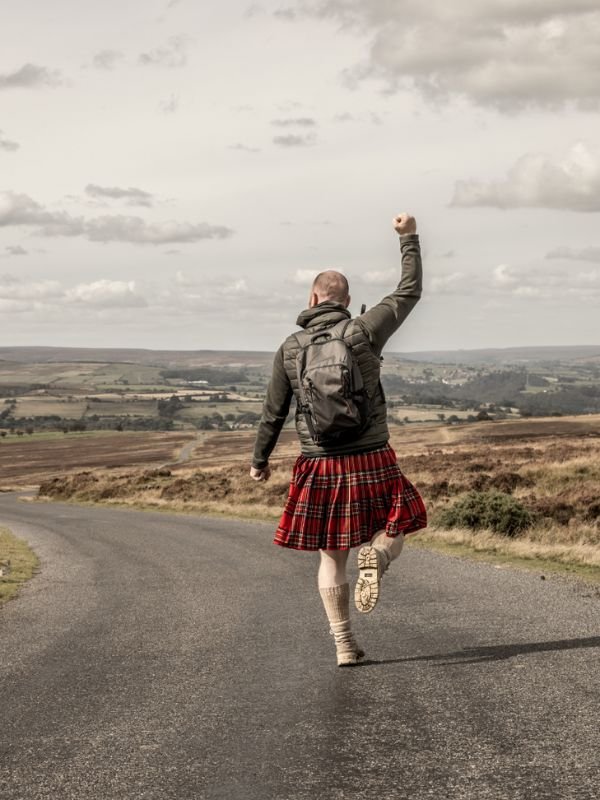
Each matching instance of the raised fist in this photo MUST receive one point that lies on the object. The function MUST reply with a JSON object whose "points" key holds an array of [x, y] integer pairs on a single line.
{"points": [[404, 223]]}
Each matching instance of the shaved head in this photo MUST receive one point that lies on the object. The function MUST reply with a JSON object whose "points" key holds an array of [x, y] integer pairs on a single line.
{"points": [[331, 285]]}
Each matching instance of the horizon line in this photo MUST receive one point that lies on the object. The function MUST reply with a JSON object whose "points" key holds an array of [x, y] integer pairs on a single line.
{"points": [[244, 350]]}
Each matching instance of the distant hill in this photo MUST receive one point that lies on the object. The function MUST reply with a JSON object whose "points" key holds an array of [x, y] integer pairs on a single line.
{"points": [[508, 356], [161, 358], [191, 358]]}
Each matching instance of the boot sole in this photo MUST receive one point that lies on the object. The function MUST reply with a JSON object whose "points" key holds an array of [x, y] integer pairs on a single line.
{"points": [[349, 660], [366, 592]]}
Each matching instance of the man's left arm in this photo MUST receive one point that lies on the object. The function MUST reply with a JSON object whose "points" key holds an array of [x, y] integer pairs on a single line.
{"points": [[274, 414]]}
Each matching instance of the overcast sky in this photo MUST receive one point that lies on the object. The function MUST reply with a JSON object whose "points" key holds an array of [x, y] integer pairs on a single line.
{"points": [[174, 173]]}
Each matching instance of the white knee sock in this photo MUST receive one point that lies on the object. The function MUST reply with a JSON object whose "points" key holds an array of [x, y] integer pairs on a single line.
{"points": [[336, 600]]}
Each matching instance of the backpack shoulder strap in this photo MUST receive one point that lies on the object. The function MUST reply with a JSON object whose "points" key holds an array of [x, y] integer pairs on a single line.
{"points": [[338, 331], [302, 338]]}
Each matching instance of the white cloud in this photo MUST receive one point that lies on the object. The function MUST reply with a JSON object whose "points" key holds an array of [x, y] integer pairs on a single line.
{"points": [[295, 140], [14, 306], [527, 291], [8, 144], [543, 283], [120, 228], [107, 59], [299, 122], [237, 287], [244, 148], [106, 294], [30, 76], [21, 295], [448, 284], [383, 276], [169, 106], [20, 209], [285, 13], [305, 276], [133, 196], [501, 53], [538, 180], [15, 250], [573, 254], [172, 55], [346, 116], [504, 276], [12, 288]]}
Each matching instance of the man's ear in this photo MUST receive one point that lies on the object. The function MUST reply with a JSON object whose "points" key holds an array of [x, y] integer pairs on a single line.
{"points": [[348, 301], [313, 300]]}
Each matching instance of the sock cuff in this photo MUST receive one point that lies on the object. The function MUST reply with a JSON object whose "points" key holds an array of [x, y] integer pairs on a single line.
{"points": [[336, 600]]}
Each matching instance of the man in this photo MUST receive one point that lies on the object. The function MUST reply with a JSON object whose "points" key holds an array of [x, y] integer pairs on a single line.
{"points": [[350, 491]]}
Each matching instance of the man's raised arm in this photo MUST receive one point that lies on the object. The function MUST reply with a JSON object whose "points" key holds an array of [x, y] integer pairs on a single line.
{"points": [[384, 319]]}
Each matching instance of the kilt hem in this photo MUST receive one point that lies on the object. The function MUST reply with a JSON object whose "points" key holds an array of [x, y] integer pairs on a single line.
{"points": [[341, 502]]}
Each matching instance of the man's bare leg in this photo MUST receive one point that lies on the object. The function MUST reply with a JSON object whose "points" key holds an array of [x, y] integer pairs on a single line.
{"points": [[332, 568], [335, 594]]}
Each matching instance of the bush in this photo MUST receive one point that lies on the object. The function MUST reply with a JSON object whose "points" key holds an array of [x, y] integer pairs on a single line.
{"points": [[495, 510]]}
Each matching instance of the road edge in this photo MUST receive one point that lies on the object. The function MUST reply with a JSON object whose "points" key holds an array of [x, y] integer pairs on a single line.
{"points": [[22, 561]]}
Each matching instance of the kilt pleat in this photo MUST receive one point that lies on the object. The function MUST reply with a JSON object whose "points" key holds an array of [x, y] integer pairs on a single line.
{"points": [[339, 502]]}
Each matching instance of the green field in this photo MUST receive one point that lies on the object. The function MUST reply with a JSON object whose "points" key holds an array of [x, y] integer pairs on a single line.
{"points": [[129, 394]]}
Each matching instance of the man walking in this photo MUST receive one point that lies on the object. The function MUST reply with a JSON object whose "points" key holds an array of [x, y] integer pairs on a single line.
{"points": [[346, 488]]}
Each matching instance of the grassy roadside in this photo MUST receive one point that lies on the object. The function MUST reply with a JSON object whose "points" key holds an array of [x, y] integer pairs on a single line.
{"points": [[519, 553], [18, 560]]}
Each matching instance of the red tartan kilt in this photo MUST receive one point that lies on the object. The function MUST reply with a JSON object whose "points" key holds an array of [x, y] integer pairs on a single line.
{"points": [[339, 502]]}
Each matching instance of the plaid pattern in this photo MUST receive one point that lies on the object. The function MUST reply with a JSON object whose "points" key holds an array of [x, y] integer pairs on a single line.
{"points": [[339, 502]]}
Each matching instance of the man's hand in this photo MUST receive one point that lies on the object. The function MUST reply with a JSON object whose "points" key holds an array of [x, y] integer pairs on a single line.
{"points": [[404, 223], [260, 474]]}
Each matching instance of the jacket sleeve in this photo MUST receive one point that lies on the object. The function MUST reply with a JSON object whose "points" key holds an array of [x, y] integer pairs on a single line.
{"points": [[384, 319], [275, 410]]}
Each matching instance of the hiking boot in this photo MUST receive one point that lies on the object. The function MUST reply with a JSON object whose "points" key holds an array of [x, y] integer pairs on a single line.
{"points": [[372, 563], [347, 650]]}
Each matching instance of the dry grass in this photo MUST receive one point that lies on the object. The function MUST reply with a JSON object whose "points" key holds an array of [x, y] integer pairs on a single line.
{"points": [[18, 562], [524, 547], [228, 490]]}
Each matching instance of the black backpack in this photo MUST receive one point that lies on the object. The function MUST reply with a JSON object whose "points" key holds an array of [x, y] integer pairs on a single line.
{"points": [[332, 393]]}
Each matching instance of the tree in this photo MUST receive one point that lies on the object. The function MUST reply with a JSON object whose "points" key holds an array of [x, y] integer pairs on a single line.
{"points": [[168, 408]]}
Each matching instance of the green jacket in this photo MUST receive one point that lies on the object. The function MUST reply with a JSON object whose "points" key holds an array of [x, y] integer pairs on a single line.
{"points": [[367, 336]]}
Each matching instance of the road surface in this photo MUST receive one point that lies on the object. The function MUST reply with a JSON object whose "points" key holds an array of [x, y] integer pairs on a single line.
{"points": [[163, 656]]}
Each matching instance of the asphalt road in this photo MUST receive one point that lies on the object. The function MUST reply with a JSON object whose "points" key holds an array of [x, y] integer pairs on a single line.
{"points": [[164, 656]]}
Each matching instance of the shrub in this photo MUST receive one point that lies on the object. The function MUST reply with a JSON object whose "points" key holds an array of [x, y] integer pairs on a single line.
{"points": [[495, 510]]}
